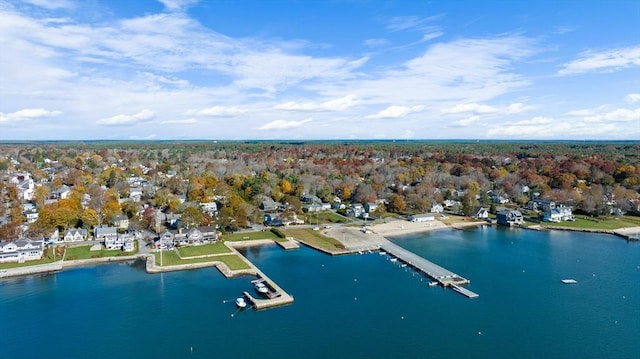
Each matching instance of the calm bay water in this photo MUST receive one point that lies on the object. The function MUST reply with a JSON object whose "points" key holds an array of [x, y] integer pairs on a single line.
{"points": [[358, 306]]}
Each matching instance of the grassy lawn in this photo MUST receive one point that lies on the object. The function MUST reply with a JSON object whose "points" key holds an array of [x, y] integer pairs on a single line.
{"points": [[324, 218], [84, 252], [170, 258], [215, 248], [450, 219], [609, 223], [46, 259], [314, 238], [245, 236]]}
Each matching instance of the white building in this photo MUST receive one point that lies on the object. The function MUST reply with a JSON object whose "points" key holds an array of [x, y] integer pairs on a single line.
{"points": [[21, 250], [427, 217]]}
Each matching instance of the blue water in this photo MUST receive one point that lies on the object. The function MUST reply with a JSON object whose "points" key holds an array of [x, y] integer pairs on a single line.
{"points": [[358, 306]]}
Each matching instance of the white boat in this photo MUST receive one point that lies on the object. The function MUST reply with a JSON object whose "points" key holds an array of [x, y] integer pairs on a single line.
{"points": [[393, 259], [433, 284], [240, 302], [382, 253], [403, 265], [569, 281], [261, 288]]}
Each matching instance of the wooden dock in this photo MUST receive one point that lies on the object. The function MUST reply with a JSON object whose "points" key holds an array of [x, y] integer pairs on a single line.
{"points": [[443, 276], [276, 297]]}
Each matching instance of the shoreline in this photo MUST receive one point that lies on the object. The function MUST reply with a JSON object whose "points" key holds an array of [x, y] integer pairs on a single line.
{"points": [[357, 241]]}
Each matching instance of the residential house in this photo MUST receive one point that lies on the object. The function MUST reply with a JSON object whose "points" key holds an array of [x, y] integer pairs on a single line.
{"points": [[121, 222], [508, 217], [209, 207], [105, 234], [165, 240], [425, 217], [21, 250], [370, 207], [309, 198], [135, 193], [272, 219], [480, 213], [437, 208], [558, 213], [32, 216], [268, 205], [355, 210], [499, 199], [75, 234]]}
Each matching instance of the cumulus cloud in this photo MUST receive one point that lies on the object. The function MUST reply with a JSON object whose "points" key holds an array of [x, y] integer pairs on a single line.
{"points": [[632, 97], [284, 125], [604, 61], [396, 112], [338, 104], [217, 111], [143, 116], [27, 114]]}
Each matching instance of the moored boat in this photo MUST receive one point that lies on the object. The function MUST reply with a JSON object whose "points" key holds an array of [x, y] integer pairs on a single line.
{"points": [[261, 288], [569, 281], [241, 303]]}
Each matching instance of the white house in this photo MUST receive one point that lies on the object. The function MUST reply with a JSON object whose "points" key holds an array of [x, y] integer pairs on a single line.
{"points": [[437, 208], [426, 217], [558, 214], [21, 250], [480, 213], [105, 233], [75, 234]]}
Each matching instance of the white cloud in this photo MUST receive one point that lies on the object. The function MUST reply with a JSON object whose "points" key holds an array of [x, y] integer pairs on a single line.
{"points": [[467, 121], [51, 4], [188, 121], [284, 125], [402, 23], [434, 34], [396, 112], [481, 109], [604, 61], [127, 120], [27, 114], [375, 42], [217, 111], [632, 97], [177, 4], [337, 104]]}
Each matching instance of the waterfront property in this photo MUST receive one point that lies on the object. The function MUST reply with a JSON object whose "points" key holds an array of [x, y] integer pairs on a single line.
{"points": [[21, 250], [507, 217]]}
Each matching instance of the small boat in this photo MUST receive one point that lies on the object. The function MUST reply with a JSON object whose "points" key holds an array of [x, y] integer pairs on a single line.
{"points": [[433, 284], [393, 260], [403, 265], [261, 288], [382, 253], [569, 281], [241, 303]]}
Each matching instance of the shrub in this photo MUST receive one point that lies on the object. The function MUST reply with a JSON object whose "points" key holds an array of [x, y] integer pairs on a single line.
{"points": [[278, 233]]}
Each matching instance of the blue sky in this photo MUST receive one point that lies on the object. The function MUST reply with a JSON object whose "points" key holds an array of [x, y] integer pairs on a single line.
{"points": [[314, 69]]}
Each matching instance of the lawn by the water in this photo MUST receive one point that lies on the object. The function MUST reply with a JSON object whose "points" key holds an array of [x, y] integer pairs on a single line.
{"points": [[314, 238], [85, 252], [207, 249], [247, 236], [169, 258], [607, 223]]}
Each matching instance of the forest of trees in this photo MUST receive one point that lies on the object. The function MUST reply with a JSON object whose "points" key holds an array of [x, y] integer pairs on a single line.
{"points": [[408, 176]]}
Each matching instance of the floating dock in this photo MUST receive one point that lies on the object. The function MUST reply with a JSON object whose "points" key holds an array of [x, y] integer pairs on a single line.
{"points": [[443, 276]]}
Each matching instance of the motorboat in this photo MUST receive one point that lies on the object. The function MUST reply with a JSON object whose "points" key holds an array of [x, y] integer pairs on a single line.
{"points": [[569, 281], [261, 288], [433, 284], [241, 303], [394, 260]]}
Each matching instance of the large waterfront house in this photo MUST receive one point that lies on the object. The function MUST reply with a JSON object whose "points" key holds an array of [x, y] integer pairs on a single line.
{"points": [[21, 250], [508, 217], [121, 222], [558, 213]]}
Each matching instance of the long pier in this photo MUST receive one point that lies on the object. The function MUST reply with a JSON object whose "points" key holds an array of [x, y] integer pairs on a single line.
{"points": [[443, 276]]}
